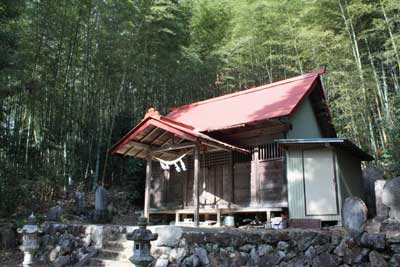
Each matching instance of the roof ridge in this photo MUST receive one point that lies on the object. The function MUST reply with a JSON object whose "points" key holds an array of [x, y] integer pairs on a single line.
{"points": [[248, 91]]}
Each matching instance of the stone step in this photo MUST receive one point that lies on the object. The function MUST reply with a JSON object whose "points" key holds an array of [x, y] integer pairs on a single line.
{"points": [[101, 262], [120, 254], [118, 244]]}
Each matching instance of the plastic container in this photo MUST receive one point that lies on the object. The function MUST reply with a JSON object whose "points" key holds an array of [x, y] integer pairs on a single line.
{"points": [[229, 221]]}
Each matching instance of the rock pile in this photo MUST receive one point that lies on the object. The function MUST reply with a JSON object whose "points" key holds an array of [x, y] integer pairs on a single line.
{"points": [[63, 245]]}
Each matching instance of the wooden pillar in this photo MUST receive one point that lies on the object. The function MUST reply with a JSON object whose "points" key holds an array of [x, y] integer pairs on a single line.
{"points": [[253, 178], [219, 223], [147, 187], [268, 212], [196, 184]]}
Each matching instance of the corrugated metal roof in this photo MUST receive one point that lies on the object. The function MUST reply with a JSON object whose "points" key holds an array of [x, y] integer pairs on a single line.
{"points": [[260, 103], [342, 143]]}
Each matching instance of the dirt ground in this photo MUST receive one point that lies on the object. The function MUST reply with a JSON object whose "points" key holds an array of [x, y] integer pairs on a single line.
{"points": [[14, 258], [11, 258]]}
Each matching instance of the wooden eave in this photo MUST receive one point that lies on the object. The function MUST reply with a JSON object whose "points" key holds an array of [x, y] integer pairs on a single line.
{"points": [[166, 139], [239, 134]]}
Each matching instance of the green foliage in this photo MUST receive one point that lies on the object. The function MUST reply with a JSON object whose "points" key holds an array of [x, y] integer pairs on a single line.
{"points": [[77, 75]]}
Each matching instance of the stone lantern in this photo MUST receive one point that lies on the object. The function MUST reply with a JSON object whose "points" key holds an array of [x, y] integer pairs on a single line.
{"points": [[141, 246], [30, 243]]}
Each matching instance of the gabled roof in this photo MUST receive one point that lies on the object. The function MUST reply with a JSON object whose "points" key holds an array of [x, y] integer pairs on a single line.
{"points": [[269, 101], [151, 133]]}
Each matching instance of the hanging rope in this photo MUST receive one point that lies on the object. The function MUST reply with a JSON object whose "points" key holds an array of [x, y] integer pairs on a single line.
{"points": [[178, 163]]}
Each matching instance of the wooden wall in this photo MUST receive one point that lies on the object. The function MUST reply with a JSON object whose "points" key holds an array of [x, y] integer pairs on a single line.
{"points": [[225, 179]]}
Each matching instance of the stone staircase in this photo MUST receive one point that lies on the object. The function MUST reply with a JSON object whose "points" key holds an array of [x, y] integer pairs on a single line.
{"points": [[113, 254]]}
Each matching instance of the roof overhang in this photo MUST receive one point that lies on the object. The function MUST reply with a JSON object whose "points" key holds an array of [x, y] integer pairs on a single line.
{"points": [[167, 139], [342, 143]]}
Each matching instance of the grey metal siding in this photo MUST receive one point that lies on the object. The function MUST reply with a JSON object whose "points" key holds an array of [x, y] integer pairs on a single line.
{"points": [[304, 122], [349, 174], [294, 157]]}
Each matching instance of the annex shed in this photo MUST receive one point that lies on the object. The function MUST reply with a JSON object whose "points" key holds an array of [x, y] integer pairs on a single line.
{"points": [[267, 149]]}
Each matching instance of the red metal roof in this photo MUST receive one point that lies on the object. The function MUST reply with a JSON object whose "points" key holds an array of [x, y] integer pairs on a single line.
{"points": [[260, 103]]}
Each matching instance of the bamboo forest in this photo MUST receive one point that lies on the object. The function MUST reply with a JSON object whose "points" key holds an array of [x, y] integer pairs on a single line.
{"points": [[76, 75]]}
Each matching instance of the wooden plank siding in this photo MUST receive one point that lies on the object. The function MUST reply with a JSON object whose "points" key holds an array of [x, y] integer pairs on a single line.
{"points": [[271, 182], [225, 179]]}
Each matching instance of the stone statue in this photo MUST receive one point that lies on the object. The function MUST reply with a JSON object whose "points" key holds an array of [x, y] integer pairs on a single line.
{"points": [[101, 203], [54, 213], [80, 202], [382, 211], [391, 197], [354, 216]]}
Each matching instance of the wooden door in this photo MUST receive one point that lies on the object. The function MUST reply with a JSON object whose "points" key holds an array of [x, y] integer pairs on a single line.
{"points": [[241, 178], [271, 182]]}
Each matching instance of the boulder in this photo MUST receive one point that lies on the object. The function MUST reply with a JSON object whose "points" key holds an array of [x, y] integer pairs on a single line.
{"points": [[377, 260], [310, 252], [354, 216], [264, 249], [62, 261], [391, 197], [283, 246], [302, 239], [192, 261], [370, 174], [66, 245], [240, 259], [271, 259], [54, 253], [326, 260], [247, 247], [373, 240], [395, 260], [168, 236], [355, 255], [161, 263], [201, 253], [395, 248], [254, 256], [177, 254]]}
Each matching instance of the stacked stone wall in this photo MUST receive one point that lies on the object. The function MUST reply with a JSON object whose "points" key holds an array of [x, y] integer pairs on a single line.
{"points": [[193, 247]]}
